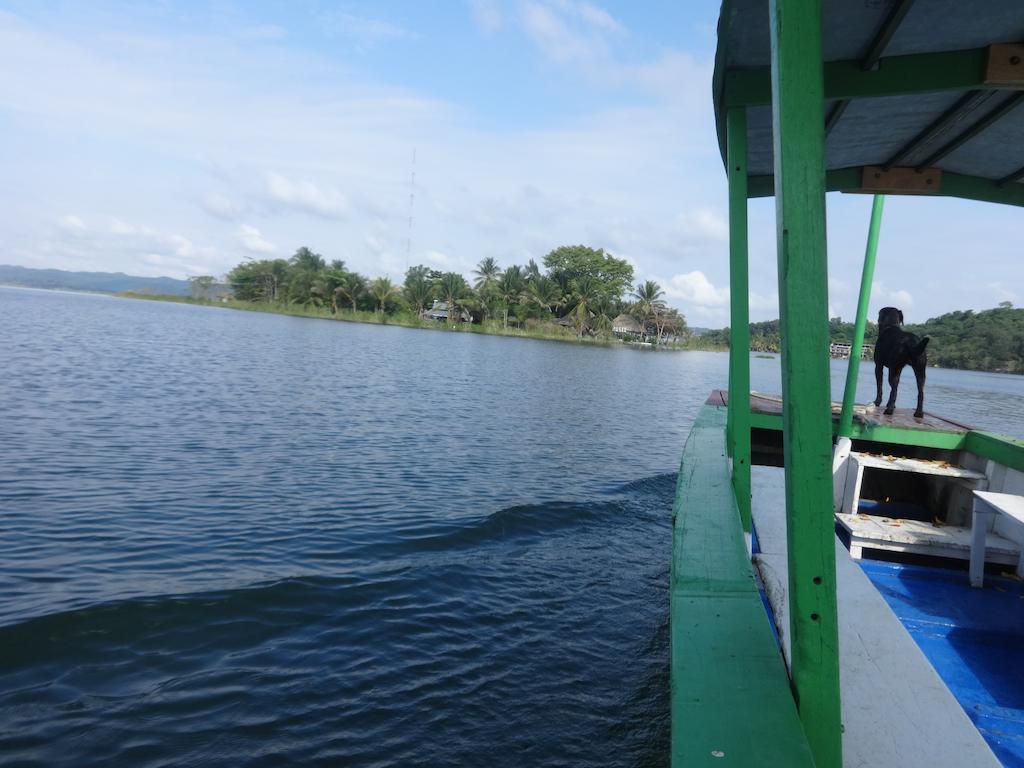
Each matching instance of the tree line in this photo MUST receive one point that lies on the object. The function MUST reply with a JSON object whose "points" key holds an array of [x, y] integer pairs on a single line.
{"points": [[989, 340], [578, 289]]}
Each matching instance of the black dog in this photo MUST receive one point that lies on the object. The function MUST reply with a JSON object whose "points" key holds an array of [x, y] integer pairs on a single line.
{"points": [[893, 350]]}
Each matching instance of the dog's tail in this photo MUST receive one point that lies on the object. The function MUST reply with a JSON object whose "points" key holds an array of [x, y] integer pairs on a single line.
{"points": [[921, 345]]}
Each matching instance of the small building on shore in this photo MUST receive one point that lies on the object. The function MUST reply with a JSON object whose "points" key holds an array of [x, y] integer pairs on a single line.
{"points": [[626, 326], [439, 313]]}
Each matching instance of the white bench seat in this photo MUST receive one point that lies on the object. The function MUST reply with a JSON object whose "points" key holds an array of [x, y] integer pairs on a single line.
{"points": [[987, 506], [921, 538]]}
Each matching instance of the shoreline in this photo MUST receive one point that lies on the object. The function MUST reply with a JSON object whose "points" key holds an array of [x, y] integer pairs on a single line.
{"points": [[409, 321]]}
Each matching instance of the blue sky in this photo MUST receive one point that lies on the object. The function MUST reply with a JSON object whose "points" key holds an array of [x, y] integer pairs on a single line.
{"points": [[181, 138]]}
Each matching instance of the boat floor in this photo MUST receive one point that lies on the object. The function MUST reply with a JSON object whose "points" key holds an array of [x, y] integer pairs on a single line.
{"points": [[973, 637], [869, 415], [896, 709]]}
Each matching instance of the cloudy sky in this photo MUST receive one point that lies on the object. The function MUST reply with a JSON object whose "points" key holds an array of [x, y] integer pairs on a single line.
{"points": [[181, 138]]}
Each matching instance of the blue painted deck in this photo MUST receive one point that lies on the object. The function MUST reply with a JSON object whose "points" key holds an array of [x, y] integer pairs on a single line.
{"points": [[973, 637]]}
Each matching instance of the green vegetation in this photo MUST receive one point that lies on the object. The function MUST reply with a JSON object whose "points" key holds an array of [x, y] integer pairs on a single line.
{"points": [[579, 294], [990, 340]]}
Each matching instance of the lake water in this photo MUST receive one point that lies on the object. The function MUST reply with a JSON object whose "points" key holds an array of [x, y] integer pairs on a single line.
{"points": [[233, 538]]}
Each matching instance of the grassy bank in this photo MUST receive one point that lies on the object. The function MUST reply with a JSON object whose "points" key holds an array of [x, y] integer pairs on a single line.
{"points": [[543, 331]]}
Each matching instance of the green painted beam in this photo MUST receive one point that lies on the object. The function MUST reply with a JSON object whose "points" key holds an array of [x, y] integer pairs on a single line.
{"points": [[895, 76], [731, 699], [860, 323], [999, 448], [842, 180], [798, 128], [950, 441], [739, 302], [953, 185]]}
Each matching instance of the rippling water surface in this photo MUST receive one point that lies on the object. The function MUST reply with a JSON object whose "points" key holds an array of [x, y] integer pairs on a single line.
{"points": [[244, 539]]}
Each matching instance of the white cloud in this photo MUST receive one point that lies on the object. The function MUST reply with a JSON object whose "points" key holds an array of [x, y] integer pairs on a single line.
{"points": [[704, 223], [695, 288], [307, 197], [591, 15], [118, 227], [486, 15], [263, 32], [558, 37], [72, 223], [438, 259], [253, 240], [222, 207], [881, 295], [366, 32]]}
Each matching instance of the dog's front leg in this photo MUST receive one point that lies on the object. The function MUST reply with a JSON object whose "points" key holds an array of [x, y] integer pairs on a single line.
{"points": [[894, 385], [878, 383]]}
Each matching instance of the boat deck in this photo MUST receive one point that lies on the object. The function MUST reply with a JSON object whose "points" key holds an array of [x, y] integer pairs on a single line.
{"points": [[974, 638], [896, 707], [865, 415]]}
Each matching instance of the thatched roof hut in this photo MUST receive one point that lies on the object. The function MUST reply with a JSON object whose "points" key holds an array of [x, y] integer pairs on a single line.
{"points": [[626, 325]]}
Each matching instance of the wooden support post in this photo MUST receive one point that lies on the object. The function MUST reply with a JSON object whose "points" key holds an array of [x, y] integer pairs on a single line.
{"points": [[739, 336], [799, 142]]}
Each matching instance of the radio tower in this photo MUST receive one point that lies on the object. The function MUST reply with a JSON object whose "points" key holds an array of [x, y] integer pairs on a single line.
{"points": [[412, 201]]}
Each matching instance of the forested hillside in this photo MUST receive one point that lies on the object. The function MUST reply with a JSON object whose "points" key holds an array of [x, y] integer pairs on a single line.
{"points": [[990, 340], [98, 282]]}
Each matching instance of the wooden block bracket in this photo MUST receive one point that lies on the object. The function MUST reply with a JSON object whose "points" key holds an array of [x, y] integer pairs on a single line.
{"points": [[900, 181], [1004, 66]]}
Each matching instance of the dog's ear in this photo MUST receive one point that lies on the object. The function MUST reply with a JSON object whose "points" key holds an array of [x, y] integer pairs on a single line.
{"points": [[901, 315]]}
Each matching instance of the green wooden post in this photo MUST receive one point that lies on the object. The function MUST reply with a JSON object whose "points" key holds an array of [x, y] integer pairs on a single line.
{"points": [[798, 125], [739, 337], [853, 369]]}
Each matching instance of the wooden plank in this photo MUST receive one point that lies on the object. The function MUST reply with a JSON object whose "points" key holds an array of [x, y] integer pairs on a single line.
{"points": [[730, 693], [917, 537], [895, 708], [866, 416], [798, 143], [739, 310], [918, 466], [1009, 504], [900, 181], [1004, 66]]}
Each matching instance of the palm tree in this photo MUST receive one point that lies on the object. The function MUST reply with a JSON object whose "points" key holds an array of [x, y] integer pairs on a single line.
{"points": [[532, 271], [587, 293], [486, 272], [382, 289], [353, 287], [453, 288], [510, 288], [648, 302], [329, 282], [419, 291], [307, 261], [545, 293]]}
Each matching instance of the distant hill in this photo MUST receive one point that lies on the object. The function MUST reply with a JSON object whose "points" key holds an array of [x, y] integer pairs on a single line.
{"points": [[989, 340], [99, 282]]}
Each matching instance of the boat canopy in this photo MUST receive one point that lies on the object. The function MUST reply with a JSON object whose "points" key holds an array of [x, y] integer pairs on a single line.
{"points": [[908, 97], [922, 97]]}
